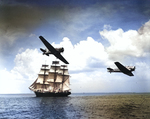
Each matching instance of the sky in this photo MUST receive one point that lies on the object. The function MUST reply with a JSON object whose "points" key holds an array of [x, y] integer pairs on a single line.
{"points": [[94, 34]]}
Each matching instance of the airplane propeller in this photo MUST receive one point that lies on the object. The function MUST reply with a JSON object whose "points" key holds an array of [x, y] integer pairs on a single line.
{"points": [[134, 68]]}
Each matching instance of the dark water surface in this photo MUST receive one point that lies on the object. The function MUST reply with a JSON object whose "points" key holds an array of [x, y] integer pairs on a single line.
{"points": [[76, 106], [29, 106]]}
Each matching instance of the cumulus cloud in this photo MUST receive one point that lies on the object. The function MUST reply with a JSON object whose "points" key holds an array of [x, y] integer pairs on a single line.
{"points": [[128, 43], [27, 66], [14, 81], [9, 81], [84, 55]]}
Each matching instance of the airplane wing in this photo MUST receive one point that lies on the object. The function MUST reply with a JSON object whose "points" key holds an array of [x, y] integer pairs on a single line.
{"points": [[59, 56], [123, 69], [48, 45], [53, 50]]}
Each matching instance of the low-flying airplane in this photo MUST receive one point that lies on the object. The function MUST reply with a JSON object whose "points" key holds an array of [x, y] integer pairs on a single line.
{"points": [[124, 69], [51, 50]]}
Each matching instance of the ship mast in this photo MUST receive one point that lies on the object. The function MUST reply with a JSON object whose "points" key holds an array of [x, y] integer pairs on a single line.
{"points": [[63, 78], [43, 86], [55, 73], [44, 79]]}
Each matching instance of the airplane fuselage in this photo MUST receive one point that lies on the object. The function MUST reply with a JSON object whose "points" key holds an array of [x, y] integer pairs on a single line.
{"points": [[130, 68], [47, 52]]}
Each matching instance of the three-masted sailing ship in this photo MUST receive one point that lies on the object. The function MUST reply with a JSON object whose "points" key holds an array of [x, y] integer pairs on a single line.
{"points": [[52, 81]]}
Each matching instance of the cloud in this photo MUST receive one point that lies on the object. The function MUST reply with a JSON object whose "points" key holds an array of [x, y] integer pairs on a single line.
{"points": [[19, 19], [130, 43], [143, 38], [84, 55], [27, 66], [144, 68], [9, 82], [28, 63]]}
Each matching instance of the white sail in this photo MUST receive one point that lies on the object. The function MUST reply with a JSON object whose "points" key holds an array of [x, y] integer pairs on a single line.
{"points": [[50, 80], [54, 68], [66, 85], [39, 86], [59, 79], [44, 72], [41, 79], [63, 71], [50, 77], [66, 72]]}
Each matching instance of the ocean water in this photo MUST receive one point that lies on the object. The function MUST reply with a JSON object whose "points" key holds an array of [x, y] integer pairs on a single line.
{"points": [[75, 106], [19, 106], [28, 106]]}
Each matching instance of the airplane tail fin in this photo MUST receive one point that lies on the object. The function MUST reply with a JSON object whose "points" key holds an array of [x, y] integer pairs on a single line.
{"points": [[109, 70], [43, 50]]}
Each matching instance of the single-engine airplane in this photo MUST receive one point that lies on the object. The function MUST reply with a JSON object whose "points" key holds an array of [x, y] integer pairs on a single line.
{"points": [[124, 69], [51, 50]]}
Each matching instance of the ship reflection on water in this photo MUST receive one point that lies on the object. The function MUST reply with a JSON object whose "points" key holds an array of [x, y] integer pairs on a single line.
{"points": [[61, 108], [53, 107]]}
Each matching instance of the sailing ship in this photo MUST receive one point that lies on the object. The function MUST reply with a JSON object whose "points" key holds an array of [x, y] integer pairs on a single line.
{"points": [[52, 82]]}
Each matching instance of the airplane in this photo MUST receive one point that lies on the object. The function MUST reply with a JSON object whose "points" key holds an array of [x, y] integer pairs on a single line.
{"points": [[51, 50], [124, 69]]}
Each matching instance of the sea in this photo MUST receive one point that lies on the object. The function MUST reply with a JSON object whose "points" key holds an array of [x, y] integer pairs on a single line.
{"points": [[20, 106], [28, 106]]}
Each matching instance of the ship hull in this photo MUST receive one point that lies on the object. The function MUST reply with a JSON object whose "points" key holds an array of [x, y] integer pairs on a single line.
{"points": [[50, 94]]}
